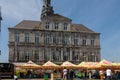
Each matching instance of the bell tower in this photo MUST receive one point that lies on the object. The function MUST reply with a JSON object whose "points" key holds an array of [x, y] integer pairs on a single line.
{"points": [[47, 9]]}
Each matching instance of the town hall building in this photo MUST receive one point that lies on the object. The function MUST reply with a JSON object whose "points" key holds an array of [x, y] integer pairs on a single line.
{"points": [[53, 38]]}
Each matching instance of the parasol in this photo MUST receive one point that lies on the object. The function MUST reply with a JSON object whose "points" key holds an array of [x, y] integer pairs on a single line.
{"points": [[68, 64], [30, 65], [50, 65]]}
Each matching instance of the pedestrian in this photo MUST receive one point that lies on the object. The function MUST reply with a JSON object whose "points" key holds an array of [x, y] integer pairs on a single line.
{"points": [[29, 73], [68, 74], [90, 75], [15, 77], [65, 74], [108, 74], [102, 76], [72, 74]]}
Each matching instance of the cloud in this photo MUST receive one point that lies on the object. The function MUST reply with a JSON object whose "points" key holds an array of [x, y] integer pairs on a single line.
{"points": [[21, 9], [13, 11]]}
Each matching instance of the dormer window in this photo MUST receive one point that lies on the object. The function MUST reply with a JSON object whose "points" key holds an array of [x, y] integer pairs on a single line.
{"points": [[65, 25], [56, 25], [47, 25]]}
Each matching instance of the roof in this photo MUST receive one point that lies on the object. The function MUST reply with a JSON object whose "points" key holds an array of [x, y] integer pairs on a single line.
{"points": [[59, 17], [80, 28], [29, 24]]}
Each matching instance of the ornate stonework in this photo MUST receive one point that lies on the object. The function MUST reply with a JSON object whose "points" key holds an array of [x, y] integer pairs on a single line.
{"points": [[47, 9]]}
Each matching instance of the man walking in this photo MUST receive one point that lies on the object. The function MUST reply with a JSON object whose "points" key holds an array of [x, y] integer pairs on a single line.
{"points": [[108, 74], [65, 74]]}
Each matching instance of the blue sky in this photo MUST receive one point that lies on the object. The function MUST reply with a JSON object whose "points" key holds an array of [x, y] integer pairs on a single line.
{"points": [[101, 16]]}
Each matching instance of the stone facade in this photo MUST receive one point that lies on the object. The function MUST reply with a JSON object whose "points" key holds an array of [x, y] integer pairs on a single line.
{"points": [[54, 38]]}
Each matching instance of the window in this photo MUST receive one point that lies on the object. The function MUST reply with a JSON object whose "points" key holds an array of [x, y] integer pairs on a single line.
{"points": [[65, 54], [75, 55], [65, 40], [47, 25], [36, 55], [56, 25], [47, 56], [27, 55], [75, 41], [56, 39], [17, 37], [56, 55], [27, 37], [47, 39], [36, 38], [84, 41], [84, 56], [91, 57], [92, 41], [65, 26]]}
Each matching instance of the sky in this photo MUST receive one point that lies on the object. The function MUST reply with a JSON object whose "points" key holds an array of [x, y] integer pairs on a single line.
{"points": [[102, 16]]}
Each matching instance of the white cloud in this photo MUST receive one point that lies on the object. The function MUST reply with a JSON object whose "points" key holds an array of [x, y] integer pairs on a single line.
{"points": [[13, 11], [21, 9]]}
